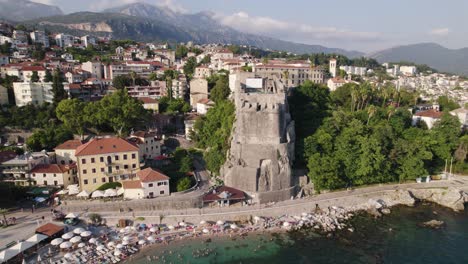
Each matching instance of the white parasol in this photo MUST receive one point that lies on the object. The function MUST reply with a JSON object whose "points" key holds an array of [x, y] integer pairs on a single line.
{"points": [[110, 193], [92, 240], [117, 253], [233, 226], [65, 245], [125, 243], [78, 230], [86, 234], [120, 191], [119, 246], [151, 239], [62, 192], [56, 242], [68, 235], [203, 222], [81, 245], [170, 227], [97, 194], [126, 238], [182, 224], [141, 242], [68, 256], [153, 230], [83, 194], [100, 247], [220, 222], [71, 215], [111, 244], [206, 231], [75, 239]]}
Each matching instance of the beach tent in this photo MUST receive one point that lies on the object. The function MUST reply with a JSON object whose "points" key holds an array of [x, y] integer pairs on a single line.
{"points": [[97, 194], [83, 194], [7, 254], [110, 193], [37, 238], [22, 246]]}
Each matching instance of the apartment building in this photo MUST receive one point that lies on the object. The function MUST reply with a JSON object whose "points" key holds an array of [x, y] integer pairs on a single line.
{"points": [[148, 142], [32, 93], [18, 169], [179, 87], [155, 90], [40, 37], [150, 184], [64, 40], [104, 160]]}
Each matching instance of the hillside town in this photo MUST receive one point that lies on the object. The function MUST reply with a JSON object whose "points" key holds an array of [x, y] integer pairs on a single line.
{"points": [[92, 122]]}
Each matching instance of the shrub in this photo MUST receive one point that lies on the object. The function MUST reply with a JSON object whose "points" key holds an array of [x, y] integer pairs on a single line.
{"points": [[109, 185]]}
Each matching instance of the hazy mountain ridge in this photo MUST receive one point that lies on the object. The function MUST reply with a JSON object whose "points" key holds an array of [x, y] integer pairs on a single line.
{"points": [[19, 10], [432, 54]]}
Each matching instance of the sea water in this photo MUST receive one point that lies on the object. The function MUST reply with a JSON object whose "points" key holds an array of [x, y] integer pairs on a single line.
{"points": [[395, 238]]}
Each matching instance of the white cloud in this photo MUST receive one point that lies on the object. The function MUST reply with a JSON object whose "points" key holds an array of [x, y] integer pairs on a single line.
{"points": [[172, 5], [47, 2], [104, 4], [268, 26], [439, 31]]}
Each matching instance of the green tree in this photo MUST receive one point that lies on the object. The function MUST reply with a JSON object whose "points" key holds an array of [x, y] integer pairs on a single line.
{"points": [[57, 87], [34, 77], [70, 112], [184, 184], [189, 67], [221, 89], [121, 81], [48, 138], [447, 104], [181, 52], [48, 76]]}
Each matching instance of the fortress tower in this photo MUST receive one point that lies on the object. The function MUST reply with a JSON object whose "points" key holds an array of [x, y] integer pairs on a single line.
{"points": [[262, 148]]}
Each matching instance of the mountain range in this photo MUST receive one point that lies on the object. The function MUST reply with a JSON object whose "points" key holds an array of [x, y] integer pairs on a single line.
{"points": [[145, 22], [23, 10]]}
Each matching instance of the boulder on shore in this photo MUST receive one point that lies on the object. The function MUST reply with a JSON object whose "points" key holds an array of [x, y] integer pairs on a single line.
{"points": [[451, 197], [435, 224]]}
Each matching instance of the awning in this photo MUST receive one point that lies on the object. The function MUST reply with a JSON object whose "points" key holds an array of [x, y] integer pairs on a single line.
{"points": [[22, 246], [7, 254], [37, 238]]}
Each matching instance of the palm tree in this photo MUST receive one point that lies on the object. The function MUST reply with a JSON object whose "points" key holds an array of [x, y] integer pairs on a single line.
{"points": [[4, 213], [371, 110]]}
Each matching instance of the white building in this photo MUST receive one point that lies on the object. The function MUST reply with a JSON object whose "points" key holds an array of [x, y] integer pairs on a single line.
{"points": [[462, 115], [179, 87], [40, 37], [64, 40], [408, 70], [335, 83], [149, 144], [27, 72], [361, 71], [332, 67], [95, 68], [430, 117], [150, 184], [204, 105], [88, 40], [32, 93], [54, 175], [65, 152]]}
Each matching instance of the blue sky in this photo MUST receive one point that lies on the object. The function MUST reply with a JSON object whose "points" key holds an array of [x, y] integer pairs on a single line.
{"points": [[364, 25]]}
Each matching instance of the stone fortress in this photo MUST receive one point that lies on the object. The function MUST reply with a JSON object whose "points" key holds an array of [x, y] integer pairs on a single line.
{"points": [[262, 148]]}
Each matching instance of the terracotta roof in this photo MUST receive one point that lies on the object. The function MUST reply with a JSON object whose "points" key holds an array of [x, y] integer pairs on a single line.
{"points": [[51, 168], [33, 68], [147, 100], [206, 101], [429, 113], [7, 155], [70, 144], [150, 175], [338, 80], [50, 229], [132, 184], [105, 145], [232, 194], [144, 134]]}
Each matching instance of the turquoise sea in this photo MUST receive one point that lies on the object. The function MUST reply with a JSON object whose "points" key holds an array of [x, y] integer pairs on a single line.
{"points": [[396, 238]]}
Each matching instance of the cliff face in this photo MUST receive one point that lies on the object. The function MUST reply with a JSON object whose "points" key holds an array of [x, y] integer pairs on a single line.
{"points": [[90, 27], [262, 149]]}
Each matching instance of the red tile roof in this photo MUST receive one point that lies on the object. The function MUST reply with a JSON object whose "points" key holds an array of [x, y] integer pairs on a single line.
{"points": [[233, 194], [144, 134], [100, 146], [51, 168], [429, 113], [150, 175], [70, 144], [131, 184], [33, 68], [147, 100]]}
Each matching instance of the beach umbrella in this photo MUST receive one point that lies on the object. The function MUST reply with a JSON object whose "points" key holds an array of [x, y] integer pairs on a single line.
{"points": [[120, 191], [68, 256], [206, 231], [72, 186], [65, 245], [126, 238], [83, 194], [81, 245], [170, 227], [100, 247], [286, 224], [203, 222], [86, 234], [75, 239], [78, 230], [151, 239], [117, 253], [141, 242], [123, 230], [257, 218], [233, 226], [153, 229], [68, 235], [111, 244], [304, 214], [182, 224], [56, 242], [125, 243], [97, 194], [119, 246], [220, 222], [92, 240], [71, 215]]}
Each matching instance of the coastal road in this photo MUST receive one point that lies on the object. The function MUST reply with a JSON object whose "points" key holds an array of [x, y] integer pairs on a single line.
{"points": [[27, 222]]}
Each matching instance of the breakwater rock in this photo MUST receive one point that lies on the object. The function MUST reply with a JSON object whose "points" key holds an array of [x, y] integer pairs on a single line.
{"points": [[448, 197]]}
